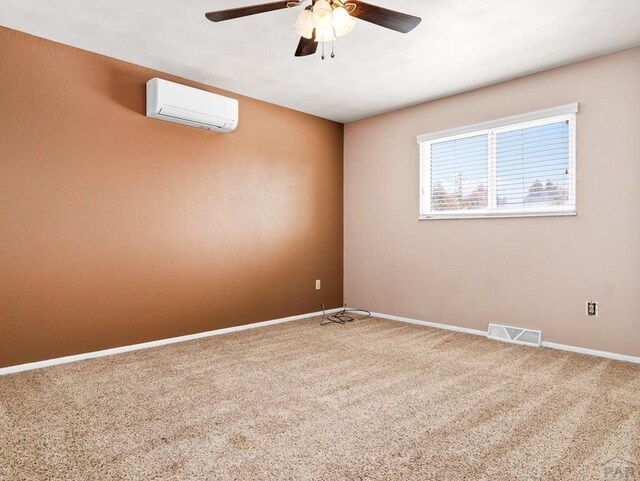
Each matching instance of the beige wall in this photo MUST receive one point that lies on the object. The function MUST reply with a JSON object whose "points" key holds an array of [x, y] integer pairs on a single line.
{"points": [[117, 229], [533, 272]]}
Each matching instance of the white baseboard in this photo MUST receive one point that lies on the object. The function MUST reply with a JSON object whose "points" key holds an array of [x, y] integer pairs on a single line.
{"points": [[550, 345], [147, 345], [437, 325], [592, 352]]}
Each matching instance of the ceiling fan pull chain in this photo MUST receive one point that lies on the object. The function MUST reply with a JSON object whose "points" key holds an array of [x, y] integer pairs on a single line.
{"points": [[322, 51], [332, 39]]}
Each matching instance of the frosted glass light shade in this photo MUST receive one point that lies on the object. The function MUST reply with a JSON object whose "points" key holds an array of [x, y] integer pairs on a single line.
{"points": [[321, 5], [304, 24], [322, 15], [343, 23], [324, 34]]}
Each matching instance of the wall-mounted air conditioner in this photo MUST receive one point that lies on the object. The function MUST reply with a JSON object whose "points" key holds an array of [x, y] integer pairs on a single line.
{"points": [[185, 105]]}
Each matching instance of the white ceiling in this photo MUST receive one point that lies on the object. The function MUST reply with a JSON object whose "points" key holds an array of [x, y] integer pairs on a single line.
{"points": [[460, 45]]}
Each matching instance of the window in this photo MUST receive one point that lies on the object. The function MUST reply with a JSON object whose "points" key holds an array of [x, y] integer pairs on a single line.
{"points": [[518, 166]]}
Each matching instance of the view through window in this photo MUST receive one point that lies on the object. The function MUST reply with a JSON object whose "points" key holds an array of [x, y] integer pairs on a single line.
{"points": [[526, 168]]}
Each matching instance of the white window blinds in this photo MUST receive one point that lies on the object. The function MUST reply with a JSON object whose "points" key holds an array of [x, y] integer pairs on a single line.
{"points": [[517, 166]]}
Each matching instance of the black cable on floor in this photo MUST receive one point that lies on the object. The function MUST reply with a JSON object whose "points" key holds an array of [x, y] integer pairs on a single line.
{"points": [[341, 317]]}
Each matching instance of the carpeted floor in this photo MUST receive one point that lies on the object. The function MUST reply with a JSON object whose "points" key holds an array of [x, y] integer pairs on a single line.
{"points": [[371, 400]]}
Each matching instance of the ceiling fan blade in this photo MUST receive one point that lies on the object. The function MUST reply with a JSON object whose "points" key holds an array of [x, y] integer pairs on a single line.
{"points": [[400, 22], [231, 13], [307, 46]]}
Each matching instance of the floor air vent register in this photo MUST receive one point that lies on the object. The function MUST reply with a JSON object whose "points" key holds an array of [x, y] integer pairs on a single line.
{"points": [[518, 335]]}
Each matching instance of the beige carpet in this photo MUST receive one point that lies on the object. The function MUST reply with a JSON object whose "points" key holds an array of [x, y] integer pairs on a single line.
{"points": [[372, 400]]}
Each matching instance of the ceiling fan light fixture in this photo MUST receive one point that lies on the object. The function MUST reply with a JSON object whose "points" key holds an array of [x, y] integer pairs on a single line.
{"points": [[343, 23], [304, 24]]}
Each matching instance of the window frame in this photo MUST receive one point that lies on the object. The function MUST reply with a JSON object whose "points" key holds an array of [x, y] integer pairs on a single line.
{"points": [[491, 129]]}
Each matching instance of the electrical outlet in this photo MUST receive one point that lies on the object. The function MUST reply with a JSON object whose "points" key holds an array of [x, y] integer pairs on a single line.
{"points": [[592, 309], [317, 284]]}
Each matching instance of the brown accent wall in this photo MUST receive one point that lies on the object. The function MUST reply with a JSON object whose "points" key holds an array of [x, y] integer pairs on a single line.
{"points": [[532, 272], [117, 229]]}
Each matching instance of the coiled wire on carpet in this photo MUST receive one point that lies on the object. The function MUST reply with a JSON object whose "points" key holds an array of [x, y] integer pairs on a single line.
{"points": [[342, 317]]}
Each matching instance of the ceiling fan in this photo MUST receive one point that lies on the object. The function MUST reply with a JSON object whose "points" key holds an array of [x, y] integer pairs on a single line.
{"points": [[325, 20]]}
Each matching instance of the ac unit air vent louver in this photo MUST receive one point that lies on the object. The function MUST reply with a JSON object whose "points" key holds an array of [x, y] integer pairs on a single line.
{"points": [[518, 335]]}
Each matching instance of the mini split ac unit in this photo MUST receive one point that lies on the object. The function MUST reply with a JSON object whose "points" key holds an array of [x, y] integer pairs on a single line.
{"points": [[185, 105]]}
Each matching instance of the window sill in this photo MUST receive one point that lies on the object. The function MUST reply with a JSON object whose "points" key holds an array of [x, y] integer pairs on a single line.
{"points": [[496, 216]]}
